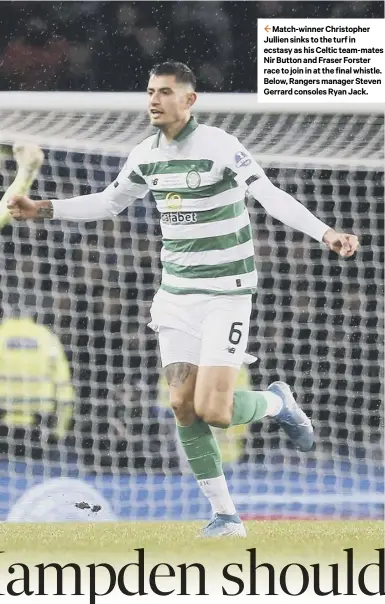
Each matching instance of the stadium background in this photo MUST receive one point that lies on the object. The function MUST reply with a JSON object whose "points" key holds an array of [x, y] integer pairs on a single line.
{"points": [[91, 45], [110, 46]]}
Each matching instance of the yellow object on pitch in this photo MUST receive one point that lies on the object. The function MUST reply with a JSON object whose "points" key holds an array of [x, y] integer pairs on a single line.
{"points": [[29, 159]]}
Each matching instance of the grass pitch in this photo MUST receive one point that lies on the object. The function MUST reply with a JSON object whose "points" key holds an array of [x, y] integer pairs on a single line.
{"points": [[280, 539]]}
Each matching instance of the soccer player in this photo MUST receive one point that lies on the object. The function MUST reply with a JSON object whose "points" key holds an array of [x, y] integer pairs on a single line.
{"points": [[199, 176], [36, 394]]}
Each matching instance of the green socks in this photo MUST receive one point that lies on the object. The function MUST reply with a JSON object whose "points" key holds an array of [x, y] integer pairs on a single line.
{"points": [[201, 449], [199, 443], [249, 406]]}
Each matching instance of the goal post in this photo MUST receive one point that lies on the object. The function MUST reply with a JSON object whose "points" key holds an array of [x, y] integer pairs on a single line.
{"points": [[317, 320]]}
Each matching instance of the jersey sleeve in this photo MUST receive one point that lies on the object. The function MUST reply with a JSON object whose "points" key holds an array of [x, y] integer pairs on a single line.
{"points": [[236, 158], [275, 201], [122, 192]]}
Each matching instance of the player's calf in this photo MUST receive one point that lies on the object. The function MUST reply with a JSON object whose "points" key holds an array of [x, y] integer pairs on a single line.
{"points": [[214, 395], [216, 409]]}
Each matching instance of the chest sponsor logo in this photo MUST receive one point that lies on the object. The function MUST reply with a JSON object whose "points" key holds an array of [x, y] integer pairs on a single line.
{"points": [[174, 201], [179, 217], [193, 179]]}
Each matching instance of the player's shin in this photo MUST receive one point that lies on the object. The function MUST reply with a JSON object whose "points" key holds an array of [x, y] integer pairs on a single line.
{"points": [[202, 450], [203, 454]]}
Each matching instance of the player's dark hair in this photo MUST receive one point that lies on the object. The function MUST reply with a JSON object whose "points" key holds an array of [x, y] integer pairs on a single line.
{"points": [[181, 72]]}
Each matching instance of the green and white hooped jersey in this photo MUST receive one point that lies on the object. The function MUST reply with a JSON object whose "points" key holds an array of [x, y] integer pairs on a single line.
{"points": [[199, 182]]}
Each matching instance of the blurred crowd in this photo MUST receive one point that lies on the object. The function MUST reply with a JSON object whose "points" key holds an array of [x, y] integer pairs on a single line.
{"points": [[110, 46]]}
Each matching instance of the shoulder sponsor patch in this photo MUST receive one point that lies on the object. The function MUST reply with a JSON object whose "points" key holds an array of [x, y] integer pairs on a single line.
{"points": [[242, 159]]}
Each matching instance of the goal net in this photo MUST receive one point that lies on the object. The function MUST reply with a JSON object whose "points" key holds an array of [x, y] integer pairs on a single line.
{"points": [[316, 321]]}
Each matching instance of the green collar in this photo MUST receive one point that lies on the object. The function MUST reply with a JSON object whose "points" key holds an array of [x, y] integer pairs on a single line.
{"points": [[191, 125]]}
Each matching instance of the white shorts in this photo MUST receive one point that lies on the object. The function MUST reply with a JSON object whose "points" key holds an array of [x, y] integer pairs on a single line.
{"points": [[202, 329]]}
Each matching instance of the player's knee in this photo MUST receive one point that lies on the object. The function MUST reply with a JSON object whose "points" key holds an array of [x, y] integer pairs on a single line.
{"points": [[217, 409], [183, 409]]}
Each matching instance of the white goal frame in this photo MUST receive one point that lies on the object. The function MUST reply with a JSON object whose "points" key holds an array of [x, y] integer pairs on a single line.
{"points": [[207, 102]]}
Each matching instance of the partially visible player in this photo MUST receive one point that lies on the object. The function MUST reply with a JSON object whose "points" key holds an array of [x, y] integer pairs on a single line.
{"points": [[29, 159], [36, 394], [199, 176]]}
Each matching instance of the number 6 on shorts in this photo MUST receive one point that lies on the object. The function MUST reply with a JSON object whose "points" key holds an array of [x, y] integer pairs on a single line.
{"points": [[235, 334]]}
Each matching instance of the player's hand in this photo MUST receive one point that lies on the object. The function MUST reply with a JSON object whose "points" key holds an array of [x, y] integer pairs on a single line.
{"points": [[22, 207], [343, 244]]}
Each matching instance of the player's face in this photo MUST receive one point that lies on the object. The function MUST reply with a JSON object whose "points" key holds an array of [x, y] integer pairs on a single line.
{"points": [[168, 101]]}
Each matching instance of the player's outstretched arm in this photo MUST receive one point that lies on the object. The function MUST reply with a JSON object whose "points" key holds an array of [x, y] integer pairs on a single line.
{"points": [[281, 205], [29, 159], [128, 187], [292, 213], [84, 208], [21, 207]]}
